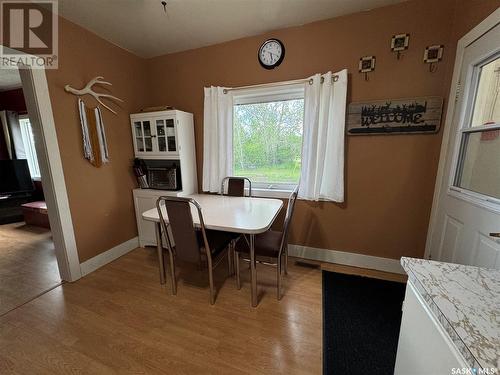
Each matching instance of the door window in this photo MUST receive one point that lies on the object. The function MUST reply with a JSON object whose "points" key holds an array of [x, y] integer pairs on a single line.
{"points": [[478, 167]]}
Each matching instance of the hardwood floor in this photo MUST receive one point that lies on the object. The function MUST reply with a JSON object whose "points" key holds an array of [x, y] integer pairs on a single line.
{"points": [[28, 264], [120, 320]]}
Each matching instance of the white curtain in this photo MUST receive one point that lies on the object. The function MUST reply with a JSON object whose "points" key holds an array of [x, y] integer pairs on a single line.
{"points": [[322, 172], [217, 137]]}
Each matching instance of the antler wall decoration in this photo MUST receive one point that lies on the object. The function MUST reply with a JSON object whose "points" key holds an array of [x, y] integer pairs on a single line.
{"points": [[97, 95]]}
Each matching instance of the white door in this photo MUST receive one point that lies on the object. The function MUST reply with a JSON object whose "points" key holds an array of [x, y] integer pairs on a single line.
{"points": [[465, 222]]}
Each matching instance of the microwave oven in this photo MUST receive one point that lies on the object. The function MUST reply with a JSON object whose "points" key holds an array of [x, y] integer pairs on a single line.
{"points": [[163, 178], [161, 174]]}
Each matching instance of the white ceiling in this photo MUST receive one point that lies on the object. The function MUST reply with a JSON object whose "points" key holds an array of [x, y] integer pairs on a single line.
{"points": [[9, 79], [142, 27]]}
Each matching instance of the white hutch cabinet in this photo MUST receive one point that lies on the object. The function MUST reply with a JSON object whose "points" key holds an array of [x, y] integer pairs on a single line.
{"points": [[156, 134], [162, 135]]}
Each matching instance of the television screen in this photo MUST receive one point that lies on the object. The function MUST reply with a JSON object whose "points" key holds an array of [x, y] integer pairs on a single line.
{"points": [[15, 176]]}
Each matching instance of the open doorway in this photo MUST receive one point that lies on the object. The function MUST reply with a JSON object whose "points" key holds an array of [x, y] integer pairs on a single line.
{"points": [[28, 262], [44, 148]]}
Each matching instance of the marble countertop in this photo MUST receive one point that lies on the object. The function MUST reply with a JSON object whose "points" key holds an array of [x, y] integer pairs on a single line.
{"points": [[466, 301]]}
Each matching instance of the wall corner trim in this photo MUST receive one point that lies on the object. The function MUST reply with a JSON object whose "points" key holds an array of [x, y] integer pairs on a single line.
{"points": [[108, 256], [346, 258]]}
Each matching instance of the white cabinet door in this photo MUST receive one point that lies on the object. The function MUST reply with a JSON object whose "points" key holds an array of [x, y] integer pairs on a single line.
{"points": [[146, 229], [465, 224], [155, 136], [144, 137], [424, 347], [166, 136]]}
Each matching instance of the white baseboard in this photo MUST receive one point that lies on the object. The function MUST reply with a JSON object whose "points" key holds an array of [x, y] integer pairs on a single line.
{"points": [[108, 256], [345, 258], [298, 251]]}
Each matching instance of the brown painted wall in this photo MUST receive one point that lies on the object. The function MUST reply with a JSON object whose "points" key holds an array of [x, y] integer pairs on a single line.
{"points": [[389, 179], [100, 198]]}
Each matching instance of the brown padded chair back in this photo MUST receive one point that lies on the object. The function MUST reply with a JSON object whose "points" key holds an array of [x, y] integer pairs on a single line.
{"points": [[288, 217], [236, 187], [181, 222]]}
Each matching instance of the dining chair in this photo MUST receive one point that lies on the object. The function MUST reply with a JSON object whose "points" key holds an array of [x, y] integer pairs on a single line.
{"points": [[191, 243], [235, 186], [271, 244]]}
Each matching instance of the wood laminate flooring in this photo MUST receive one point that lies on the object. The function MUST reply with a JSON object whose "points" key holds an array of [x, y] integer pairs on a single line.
{"points": [[119, 320], [28, 264]]}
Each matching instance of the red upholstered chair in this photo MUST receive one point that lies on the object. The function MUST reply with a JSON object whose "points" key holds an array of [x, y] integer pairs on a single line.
{"points": [[191, 244], [271, 244]]}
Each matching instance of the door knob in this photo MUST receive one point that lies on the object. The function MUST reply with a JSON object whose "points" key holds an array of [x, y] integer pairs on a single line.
{"points": [[495, 235]]}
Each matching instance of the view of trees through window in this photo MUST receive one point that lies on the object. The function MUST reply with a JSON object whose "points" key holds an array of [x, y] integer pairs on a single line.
{"points": [[267, 141]]}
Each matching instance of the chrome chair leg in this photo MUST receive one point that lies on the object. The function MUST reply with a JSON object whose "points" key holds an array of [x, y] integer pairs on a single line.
{"points": [[286, 261], [211, 280], [172, 272], [212, 291], [172, 264], [278, 281], [237, 267], [159, 250], [229, 259]]}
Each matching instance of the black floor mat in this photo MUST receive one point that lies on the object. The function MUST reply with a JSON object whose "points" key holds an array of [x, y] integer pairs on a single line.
{"points": [[361, 319]]}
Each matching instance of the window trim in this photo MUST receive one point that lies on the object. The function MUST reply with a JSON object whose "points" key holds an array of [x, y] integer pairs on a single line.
{"points": [[467, 102], [462, 154], [271, 193], [266, 95], [30, 148]]}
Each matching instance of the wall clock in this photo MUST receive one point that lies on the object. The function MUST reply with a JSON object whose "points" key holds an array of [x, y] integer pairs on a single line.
{"points": [[271, 53]]}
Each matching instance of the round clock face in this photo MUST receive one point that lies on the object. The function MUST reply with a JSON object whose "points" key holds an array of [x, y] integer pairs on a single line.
{"points": [[271, 53]]}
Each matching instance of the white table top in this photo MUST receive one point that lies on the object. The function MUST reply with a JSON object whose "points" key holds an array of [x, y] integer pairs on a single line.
{"points": [[230, 214]]}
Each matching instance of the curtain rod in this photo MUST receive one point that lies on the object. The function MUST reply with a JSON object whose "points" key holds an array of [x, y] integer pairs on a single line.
{"points": [[335, 78]]}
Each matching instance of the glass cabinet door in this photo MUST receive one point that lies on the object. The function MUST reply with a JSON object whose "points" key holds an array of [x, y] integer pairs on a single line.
{"points": [[143, 136], [161, 135], [171, 141], [165, 132], [155, 136]]}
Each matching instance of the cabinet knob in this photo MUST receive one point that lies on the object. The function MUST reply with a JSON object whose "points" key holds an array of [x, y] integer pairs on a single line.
{"points": [[495, 235]]}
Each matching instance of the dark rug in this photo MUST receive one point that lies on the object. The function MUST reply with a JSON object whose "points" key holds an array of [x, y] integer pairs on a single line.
{"points": [[361, 319]]}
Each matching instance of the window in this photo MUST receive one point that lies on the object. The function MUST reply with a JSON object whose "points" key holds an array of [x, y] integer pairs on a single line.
{"points": [[267, 136], [478, 167], [29, 147]]}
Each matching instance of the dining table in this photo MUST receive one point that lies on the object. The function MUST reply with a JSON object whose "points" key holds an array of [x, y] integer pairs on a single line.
{"points": [[244, 215]]}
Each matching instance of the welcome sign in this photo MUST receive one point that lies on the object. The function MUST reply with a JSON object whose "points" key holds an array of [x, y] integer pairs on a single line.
{"points": [[395, 116]]}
